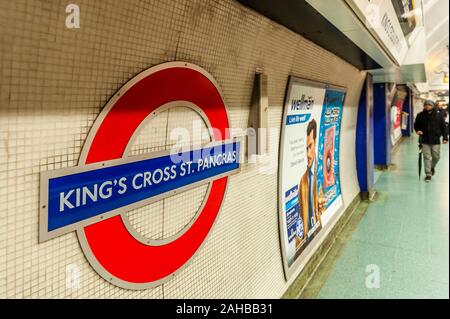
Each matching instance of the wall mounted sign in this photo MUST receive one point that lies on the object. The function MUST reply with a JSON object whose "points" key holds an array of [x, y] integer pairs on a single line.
{"points": [[93, 198], [309, 184], [381, 18], [406, 11]]}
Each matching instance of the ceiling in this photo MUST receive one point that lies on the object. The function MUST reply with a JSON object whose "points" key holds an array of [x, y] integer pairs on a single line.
{"points": [[436, 16], [338, 29], [302, 17]]}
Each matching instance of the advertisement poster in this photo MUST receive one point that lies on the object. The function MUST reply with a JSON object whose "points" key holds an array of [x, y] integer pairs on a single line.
{"points": [[396, 116], [396, 121], [328, 170], [309, 186]]}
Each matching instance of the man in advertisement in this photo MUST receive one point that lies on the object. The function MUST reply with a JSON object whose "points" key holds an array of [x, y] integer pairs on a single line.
{"points": [[311, 200]]}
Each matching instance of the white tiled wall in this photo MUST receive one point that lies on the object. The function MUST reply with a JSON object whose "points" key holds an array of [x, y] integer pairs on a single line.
{"points": [[53, 83]]}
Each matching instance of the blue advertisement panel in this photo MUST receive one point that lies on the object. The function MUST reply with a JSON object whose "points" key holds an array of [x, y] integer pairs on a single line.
{"points": [[73, 197], [309, 185], [330, 128]]}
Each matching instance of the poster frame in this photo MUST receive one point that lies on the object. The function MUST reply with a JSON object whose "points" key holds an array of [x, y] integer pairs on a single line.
{"points": [[289, 271]]}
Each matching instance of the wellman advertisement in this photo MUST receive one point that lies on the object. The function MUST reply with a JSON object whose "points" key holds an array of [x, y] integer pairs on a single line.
{"points": [[309, 185]]}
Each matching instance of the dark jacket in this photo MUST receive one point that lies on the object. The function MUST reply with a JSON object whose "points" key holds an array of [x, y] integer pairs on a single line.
{"points": [[433, 127], [444, 114]]}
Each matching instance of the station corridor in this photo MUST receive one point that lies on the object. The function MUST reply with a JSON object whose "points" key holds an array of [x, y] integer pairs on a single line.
{"points": [[193, 150], [404, 233]]}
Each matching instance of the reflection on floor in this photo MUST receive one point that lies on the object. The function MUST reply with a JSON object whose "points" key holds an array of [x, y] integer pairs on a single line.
{"points": [[376, 174], [399, 246]]}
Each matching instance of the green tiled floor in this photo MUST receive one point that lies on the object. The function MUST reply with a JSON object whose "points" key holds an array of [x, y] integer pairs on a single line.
{"points": [[405, 233]]}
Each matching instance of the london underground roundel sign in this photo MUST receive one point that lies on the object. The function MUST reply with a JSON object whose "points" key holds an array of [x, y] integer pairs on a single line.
{"points": [[93, 198]]}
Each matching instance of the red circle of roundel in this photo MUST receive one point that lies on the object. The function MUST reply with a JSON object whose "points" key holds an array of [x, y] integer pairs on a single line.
{"points": [[111, 249]]}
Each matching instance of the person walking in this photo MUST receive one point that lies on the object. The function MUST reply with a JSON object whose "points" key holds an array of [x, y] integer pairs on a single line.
{"points": [[430, 126], [443, 110]]}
